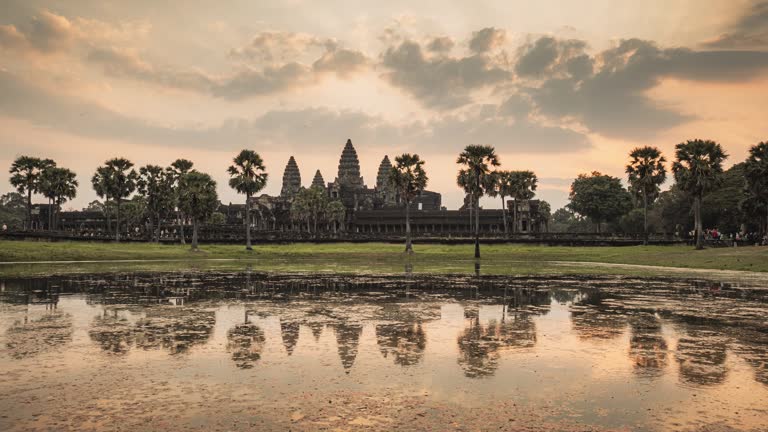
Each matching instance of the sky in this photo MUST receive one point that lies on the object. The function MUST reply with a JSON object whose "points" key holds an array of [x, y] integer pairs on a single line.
{"points": [[557, 87]]}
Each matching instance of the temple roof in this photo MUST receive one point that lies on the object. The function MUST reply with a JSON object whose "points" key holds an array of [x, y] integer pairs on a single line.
{"points": [[382, 178], [349, 167], [318, 180], [291, 178]]}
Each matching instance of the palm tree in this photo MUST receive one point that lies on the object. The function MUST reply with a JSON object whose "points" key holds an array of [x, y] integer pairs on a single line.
{"points": [[197, 199], [179, 168], [478, 160], [155, 184], [522, 186], [247, 177], [501, 187], [409, 179], [25, 175], [756, 174], [698, 168], [646, 172], [58, 185], [118, 183], [100, 182]]}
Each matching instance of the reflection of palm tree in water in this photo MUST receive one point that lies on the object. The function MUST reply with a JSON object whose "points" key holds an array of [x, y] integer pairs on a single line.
{"points": [[480, 346], [647, 347], [404, 341], [289, 331], [174, 328], [112, 332], [347, 339], [246, 343], [32, 337], [701, 356]]}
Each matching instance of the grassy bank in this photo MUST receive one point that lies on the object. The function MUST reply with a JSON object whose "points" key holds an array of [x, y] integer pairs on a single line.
{"points": [[387, 257]]}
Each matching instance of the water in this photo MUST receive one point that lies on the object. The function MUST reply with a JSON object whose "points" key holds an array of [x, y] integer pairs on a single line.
{"points": [[249, 350]]}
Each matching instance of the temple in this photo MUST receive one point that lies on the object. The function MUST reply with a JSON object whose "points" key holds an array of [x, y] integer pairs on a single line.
{"points": [[377, 212]]}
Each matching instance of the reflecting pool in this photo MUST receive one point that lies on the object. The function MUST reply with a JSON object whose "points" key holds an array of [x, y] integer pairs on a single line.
{"points": [[246, 350]]}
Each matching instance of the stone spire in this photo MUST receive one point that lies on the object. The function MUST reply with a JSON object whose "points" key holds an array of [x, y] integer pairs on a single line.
{"points": [[349, 167], [291, 179], [383, 186], [318, 180], [382, 178]]}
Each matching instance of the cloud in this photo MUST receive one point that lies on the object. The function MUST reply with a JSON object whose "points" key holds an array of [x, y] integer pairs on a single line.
{"points": [[439, 82], [750, 31], [313, 130], [269, 75], [487, 39], [441, 44], [548, 55], [45, 33], [612, 99]]}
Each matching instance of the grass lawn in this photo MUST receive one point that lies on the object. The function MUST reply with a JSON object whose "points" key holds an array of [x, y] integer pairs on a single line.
{"points": [[379, 257]]}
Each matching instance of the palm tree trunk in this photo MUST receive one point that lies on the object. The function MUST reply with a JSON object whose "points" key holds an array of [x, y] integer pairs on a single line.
{"points": [[514, 217], [477, 227], [408, 244], [248, 222], [181, 227], [50, 214], [194, 233], [645, 219], [117, 222], [504, 215], [106, 214], [697, 221], [29, 208]]}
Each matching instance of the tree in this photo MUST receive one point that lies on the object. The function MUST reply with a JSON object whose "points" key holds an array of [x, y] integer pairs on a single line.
{"points": [[409, 179], [197, 199], [599, 197], [310, 206], [698, 168], [100, 183], [475, 178], [247, 177], [13, 210], [337, 214], [155, 184], [501, 187], [756, 175], [25, 176], [59, 185], [646, 173], [178, 168], [521, 186], [544, 215], [115, 180]]}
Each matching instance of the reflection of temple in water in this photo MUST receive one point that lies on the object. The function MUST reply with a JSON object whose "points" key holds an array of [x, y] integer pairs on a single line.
{"points": [[31, 337], [173, 328], [113, 332], [246, 343], [593, 318], [405, 342], [317, 329], [647, 347], [701, 356], [347, 339], [289, 332]]}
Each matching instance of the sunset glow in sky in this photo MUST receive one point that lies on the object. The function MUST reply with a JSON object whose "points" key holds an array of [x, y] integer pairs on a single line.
{"points": [[558, 87]]}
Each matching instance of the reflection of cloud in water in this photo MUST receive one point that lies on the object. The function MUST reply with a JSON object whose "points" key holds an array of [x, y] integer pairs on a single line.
{"points": [[32, 337], [245, 342], [701, 356], [647, 347], [405, 342], [347, 339]]}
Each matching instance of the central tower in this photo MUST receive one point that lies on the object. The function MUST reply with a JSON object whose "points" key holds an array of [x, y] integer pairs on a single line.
{"points": [[349, 168]]}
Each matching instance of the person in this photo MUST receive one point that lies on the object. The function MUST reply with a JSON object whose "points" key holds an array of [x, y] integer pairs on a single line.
{"points": [[5, 227]]}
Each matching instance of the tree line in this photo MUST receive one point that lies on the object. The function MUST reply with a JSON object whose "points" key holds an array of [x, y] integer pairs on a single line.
{"points": [[180, 192]]}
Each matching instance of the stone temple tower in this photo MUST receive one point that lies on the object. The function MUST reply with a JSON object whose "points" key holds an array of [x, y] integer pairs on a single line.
{"points": [[318, 180], [383, 186], [349, 168], [291, 179]]}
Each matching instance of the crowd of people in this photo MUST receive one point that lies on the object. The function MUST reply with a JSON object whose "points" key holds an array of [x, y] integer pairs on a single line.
{"points": [[745, 238]]}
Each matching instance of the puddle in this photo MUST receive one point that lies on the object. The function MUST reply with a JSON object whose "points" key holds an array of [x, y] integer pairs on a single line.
{"points": [[241, 350]]}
